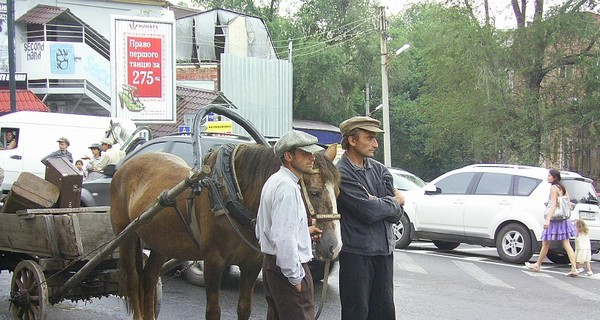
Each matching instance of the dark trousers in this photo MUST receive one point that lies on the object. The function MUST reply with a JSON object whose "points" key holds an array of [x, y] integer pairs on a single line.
{"points": [[284, 302], [367, 287]]}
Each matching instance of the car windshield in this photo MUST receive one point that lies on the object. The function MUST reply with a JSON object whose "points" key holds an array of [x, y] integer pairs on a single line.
{"points": [[580, 191], [407, 182]]}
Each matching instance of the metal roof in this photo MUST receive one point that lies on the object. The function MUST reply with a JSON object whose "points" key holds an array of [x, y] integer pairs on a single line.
{"points": [[41, 14], [26, 101]]}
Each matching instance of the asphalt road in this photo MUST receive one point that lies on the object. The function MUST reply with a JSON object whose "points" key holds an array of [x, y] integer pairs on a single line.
{"points": [[468, 283]]}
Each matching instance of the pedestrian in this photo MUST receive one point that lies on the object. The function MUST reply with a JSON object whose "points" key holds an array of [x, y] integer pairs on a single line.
{"points": [[583, 247], [96, 163], [112, 156], [282, 229], [79, 166], [62, 152], [369, 205], [556, 230]]}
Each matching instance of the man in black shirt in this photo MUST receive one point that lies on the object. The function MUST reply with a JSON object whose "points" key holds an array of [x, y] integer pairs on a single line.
{"points": [[369, 206]]}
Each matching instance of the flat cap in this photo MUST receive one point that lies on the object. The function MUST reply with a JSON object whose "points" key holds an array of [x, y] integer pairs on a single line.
{"points": [[361, 122], [94, 146], [65, 140], [107, 141], [296, 139]]}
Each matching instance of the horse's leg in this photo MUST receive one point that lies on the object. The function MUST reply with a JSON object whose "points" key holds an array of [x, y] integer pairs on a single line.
{"points": [[151, 273], [130, 254], [213, 272], [249, 273]]}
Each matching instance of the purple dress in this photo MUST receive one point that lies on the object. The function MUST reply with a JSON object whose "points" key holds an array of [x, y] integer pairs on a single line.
{"points": [[559, 229]]}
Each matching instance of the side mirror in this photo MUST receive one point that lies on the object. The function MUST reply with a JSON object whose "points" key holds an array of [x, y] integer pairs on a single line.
{"points": [[431, 189]]}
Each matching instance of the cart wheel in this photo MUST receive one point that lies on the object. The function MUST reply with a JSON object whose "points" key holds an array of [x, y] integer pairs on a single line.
{"points": [[29, 291]]}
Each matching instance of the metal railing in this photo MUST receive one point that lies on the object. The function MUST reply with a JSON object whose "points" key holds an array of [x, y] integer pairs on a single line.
{"points": [[69, 33]]}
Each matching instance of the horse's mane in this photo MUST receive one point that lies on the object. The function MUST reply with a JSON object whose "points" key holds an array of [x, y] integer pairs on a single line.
{"points": [[328, 169], [258, 163]]}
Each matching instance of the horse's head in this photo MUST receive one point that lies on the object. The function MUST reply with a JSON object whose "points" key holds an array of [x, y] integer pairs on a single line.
{"points": [[119, 131], [321, 188]]}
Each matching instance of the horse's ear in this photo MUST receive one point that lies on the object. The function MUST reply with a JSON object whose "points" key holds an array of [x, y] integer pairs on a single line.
{"points": [[331, 152]]}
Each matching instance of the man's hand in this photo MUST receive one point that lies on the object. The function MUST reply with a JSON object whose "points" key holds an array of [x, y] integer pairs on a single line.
{"points": [[399, 197], [315, 233]]}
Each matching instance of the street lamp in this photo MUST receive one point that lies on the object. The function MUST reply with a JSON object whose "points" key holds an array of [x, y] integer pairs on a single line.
{"points": [[385, 60], [375, 110]]}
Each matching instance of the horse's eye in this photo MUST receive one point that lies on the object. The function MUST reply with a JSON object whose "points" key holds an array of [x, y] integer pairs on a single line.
{"points": [[315, 193]]}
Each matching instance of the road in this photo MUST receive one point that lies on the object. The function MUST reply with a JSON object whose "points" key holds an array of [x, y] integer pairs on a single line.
{"points": [[467, 283]]}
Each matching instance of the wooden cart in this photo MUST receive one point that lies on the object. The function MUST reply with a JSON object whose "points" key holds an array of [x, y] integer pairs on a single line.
{"points": [[45, 247]]}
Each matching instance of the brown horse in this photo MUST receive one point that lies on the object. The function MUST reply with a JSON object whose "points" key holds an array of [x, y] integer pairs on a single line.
{"points": [[142, 179]]}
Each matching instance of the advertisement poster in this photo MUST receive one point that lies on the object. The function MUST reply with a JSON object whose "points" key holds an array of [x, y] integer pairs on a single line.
{"points": [[143, 69]]}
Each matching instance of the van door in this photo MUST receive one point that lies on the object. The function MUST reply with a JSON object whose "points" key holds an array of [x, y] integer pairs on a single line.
{"points": [[11, 158]]}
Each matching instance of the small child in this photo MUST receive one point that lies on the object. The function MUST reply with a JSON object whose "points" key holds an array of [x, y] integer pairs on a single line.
{"points": [[583, 247]]}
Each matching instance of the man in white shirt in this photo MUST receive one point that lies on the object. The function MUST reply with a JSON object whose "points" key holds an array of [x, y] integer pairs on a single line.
{"points": [[283, 232], [111, 156]]}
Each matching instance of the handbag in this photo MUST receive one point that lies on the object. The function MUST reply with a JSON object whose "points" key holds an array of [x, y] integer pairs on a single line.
{"points": [[562, 211]]}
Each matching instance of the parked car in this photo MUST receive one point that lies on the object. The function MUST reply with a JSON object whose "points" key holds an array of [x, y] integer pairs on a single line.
{"points": [[495, 205], [97, 192], [408, 184]]}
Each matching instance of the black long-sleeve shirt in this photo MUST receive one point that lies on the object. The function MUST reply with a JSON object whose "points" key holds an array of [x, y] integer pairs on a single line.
{"points": [[367, 224]]}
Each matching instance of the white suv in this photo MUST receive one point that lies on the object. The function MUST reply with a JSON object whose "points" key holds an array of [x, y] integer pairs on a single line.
{"points": [[495, 205]]}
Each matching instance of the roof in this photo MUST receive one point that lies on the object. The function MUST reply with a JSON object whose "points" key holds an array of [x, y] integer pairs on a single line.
{"points": [[189, 101], [26, 101], [41, 14]]}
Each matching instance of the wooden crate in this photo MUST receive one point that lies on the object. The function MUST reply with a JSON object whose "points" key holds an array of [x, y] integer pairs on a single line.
{"points": [[30, 192]]}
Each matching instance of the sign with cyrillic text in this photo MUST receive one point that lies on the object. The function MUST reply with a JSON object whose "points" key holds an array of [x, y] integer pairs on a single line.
{"points": [[143, 69]]}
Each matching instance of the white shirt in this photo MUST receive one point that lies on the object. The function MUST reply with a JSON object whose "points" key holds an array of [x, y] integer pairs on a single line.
{"points": [[113, 155], [282, 226]]}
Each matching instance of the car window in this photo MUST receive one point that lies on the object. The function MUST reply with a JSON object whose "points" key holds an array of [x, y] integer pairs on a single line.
{"points": [[524, 186], [494, 184], [456, 183], [580, 191], [405, 183]]}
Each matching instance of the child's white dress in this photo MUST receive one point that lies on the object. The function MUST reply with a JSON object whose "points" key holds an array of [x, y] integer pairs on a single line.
{"points": [[583, 249]]}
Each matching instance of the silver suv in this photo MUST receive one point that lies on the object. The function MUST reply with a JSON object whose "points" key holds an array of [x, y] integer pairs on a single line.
{"points": [[495, 205]]}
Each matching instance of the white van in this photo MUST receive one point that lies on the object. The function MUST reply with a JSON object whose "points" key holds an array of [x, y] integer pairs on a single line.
{"points": [[36, 134]]}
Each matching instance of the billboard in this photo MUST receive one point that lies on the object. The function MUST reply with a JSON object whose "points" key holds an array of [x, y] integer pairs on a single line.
{"points": [[142, 55]]}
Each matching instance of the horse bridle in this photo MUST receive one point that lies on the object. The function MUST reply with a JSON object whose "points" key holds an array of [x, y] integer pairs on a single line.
{"points": [[314, 216]]}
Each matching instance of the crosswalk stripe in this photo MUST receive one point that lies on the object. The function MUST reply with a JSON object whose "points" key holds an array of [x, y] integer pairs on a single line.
{"points": [[567, 287], [481, 275], [406, 263]]}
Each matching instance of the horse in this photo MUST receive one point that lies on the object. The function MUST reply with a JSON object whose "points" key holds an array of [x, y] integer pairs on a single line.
{"points": [[126, 134], [217, 238]]}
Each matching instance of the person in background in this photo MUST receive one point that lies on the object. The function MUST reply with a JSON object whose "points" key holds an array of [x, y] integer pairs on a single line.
{"points": [[556, 230], [369, 205], [96, 163], [62, 152], [113, 156], [11, 140], [283, 232], [79, 166], [583, 247]]}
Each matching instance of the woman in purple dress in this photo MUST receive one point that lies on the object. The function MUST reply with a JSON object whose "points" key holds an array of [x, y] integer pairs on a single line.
{"points": [[556, 230]]}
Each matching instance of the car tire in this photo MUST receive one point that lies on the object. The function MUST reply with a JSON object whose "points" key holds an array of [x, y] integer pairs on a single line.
{"points": [[514, 244], [402, 232], [444, 245], [194, 273], [558, 258]]}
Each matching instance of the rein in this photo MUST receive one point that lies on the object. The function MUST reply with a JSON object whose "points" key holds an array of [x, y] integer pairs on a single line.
{"points": [[314, 218]]}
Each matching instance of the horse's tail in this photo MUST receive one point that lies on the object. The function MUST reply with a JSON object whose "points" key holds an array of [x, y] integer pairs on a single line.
{"points": [[131, 264]]}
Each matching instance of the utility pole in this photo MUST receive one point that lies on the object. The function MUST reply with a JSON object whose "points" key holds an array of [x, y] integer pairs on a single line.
{"points": [[12, 85], [387, 150], [367, 99]]}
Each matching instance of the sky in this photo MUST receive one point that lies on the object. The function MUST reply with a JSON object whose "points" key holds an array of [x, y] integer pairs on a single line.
{"points": [[500, 9]]}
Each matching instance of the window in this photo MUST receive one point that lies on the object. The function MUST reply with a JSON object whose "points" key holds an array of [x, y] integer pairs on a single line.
{"points": [[9, 138], [494, 184], [456, 183], [524, 186]]}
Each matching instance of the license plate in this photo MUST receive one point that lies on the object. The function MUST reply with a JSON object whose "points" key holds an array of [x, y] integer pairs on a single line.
{"points": [[587, 215]]}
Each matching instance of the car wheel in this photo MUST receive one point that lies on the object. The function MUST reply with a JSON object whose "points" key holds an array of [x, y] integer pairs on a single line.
{"points": [[444, 245], [317, 269], [402, 232], [514, 243], [558, 258]]}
